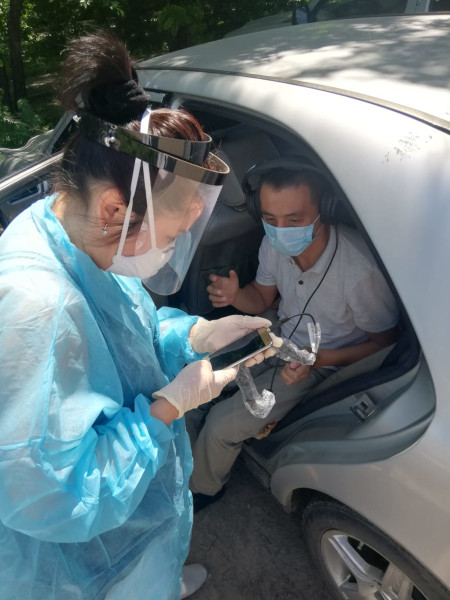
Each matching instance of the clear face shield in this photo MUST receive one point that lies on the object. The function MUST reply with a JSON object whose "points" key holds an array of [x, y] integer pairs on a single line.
{"points": [[158, 240]]}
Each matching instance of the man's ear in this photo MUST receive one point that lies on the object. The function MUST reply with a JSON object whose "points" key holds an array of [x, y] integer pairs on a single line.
{"points": [[111, 208]]}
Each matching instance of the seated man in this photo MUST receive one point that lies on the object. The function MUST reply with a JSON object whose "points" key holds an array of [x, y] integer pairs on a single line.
{"points": [[314, 267]]}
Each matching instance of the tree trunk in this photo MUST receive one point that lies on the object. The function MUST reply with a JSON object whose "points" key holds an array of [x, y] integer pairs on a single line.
{"points": [[4, 84], [15, 50], [182, 39]]}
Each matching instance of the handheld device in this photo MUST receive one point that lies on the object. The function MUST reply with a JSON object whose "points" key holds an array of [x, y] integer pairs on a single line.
{"points": [[241, 349]]}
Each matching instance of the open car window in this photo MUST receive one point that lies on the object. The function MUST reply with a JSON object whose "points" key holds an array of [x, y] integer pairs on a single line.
{"points": [[20, 190], [232, 240]]}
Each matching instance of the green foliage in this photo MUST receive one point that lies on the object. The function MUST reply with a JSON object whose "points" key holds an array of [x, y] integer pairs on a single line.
{"points": [[16, 130], [174, 16], [185, 24], [113, 7], [149, 28]]}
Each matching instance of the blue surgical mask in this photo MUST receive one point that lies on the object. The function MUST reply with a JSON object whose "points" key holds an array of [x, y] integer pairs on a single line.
{"points": [[290, 241]]}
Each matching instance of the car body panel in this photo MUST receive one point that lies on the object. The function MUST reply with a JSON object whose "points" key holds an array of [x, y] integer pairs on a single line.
{"points": [[407, 120], [387, 493], [407, 68]]}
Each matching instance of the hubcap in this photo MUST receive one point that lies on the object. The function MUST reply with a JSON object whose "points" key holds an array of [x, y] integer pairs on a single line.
{"points": [[362, 573]]}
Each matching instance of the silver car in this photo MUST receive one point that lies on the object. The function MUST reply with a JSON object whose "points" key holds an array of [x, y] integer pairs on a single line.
{"points": [[366, 456], [325, 10]]}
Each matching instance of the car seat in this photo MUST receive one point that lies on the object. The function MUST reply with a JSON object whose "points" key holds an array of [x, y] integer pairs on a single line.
{"points": [[397, 364], [232, 237]]}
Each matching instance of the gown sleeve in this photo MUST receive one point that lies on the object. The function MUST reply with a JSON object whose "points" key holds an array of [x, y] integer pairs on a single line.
{"points": [[75, 460], [174, 327]]}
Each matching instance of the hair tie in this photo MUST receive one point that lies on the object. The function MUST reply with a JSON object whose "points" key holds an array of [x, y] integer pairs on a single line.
{"points": [[118, 103]]}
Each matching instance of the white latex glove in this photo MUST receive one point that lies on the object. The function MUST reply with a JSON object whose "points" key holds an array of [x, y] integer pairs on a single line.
{"points": [[258, 358], [196, 384], [209, 336]]}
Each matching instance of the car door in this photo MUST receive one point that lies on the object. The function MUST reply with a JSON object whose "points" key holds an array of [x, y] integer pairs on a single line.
{"points": [[20, 190], [37, 148]]}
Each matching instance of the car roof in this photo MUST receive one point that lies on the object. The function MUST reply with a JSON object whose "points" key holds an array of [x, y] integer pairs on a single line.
{"points": [[398, 60], [283, 19]]}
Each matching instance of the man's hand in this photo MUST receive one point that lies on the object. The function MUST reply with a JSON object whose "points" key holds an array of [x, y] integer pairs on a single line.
{"points": [[265, 430], [294, 372], [223, 290]]}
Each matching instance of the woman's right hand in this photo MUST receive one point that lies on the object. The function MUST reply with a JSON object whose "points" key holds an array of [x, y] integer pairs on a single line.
{"points": [[196, 384]]}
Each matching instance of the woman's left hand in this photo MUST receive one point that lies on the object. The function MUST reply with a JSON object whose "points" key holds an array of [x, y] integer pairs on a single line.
{"points": [[209, 336]]}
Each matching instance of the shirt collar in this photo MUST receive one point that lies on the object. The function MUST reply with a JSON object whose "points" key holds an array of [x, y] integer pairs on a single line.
{"points": [[324, 259]]}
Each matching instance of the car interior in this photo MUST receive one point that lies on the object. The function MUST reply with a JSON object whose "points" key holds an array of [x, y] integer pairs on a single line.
{"points": [[356, 394], [363, 402]]}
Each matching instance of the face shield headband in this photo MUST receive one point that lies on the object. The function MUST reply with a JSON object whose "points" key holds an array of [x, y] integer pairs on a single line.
{"points": [[179, 203], [181, 157]]}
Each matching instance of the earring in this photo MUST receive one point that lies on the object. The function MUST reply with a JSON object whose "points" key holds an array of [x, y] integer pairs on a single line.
{"points": [[104, 229]]}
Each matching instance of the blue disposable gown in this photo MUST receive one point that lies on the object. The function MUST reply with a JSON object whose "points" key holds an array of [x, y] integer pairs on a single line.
{"points": [[94, 498]]}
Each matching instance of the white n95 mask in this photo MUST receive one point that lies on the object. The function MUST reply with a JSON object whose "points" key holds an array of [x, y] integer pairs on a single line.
{"points": [[142, 265]]}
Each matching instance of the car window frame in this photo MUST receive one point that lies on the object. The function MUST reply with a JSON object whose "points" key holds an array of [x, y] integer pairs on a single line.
{"points": [[37, 175]]}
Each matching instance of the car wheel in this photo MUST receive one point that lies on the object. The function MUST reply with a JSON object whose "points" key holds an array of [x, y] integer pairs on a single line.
{"points": [[359, 562]]}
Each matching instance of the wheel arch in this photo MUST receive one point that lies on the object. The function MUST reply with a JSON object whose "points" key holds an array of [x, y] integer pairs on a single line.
{"points": [[324, 516]]}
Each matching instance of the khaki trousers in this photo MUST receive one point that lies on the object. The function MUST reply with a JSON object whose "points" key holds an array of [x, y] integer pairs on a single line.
{"points": [[228, 424]]}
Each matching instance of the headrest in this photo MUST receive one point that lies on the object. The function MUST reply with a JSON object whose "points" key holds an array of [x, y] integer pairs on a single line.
{"points": [[240, 149], [231, 194]]}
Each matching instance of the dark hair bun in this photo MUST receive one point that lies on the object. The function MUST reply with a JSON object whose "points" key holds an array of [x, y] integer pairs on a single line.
{"points": [[118, 103], [98, 77]]}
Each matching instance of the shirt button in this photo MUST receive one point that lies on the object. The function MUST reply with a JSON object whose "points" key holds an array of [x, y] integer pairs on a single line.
{"points": [[300, 282]]}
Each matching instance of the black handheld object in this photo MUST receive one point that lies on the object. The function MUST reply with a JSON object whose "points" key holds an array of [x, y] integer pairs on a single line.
{"points": [[241, 349]]}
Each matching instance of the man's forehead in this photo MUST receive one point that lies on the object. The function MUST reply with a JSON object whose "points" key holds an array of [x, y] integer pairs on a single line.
{"points": [[295, 198]]}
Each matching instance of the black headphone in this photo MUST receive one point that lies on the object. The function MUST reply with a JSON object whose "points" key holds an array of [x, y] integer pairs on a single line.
{"points": [[251, 184]]}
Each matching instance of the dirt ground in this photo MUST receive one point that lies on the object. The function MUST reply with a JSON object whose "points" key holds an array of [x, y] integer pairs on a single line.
{"points": [[252, 549]]}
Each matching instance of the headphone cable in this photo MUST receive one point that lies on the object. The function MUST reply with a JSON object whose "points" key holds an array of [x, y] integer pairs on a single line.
{"points": [[303, 313]]}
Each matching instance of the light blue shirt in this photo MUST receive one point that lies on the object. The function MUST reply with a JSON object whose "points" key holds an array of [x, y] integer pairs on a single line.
{"points": [[92, 488]]}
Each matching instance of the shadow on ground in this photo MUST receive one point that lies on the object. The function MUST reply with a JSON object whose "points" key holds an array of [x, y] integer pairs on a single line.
{"points": [[252, 549]]}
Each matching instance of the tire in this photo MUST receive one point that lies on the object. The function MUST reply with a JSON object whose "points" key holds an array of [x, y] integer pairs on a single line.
{"points": [[359, 562]]}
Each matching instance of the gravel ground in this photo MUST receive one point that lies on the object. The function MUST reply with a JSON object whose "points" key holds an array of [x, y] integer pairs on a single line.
{"points": [[252, 549]]}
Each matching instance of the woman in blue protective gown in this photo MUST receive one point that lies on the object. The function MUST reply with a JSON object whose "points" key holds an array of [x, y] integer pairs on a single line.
{"points": [[94, 455]]}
